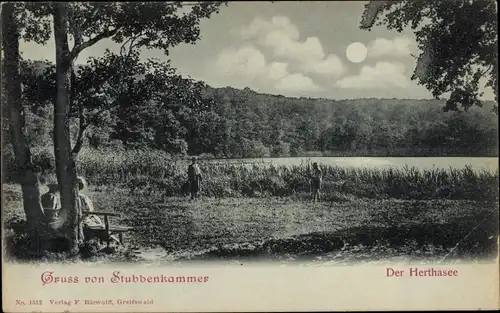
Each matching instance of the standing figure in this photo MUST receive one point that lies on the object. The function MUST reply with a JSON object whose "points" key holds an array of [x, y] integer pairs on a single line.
{"points": [[194, 178], [317, 181]]}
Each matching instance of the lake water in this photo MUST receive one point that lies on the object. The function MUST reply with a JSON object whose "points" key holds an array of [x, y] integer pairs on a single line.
{"points": [[477, 163]]}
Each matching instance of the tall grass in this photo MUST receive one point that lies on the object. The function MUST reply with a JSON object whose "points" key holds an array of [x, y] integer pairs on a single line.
{"points": [[148, 172]]}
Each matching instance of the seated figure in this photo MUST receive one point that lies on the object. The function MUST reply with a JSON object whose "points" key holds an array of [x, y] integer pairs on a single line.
{"points": [[86, 205], [51, 202]]}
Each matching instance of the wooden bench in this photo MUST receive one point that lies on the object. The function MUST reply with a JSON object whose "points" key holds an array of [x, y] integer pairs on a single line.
{"points": [[105, 233]]}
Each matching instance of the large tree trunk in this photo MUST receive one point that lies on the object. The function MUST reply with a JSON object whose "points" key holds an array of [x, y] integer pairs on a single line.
{"points": [[65, 167], [27, 178]]}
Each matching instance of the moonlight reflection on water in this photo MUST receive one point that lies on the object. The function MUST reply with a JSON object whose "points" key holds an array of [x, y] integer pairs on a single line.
{"points": [[477, 163]]}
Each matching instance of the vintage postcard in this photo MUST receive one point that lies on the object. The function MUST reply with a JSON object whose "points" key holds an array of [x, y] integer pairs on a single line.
{"points": [[254, 156]]}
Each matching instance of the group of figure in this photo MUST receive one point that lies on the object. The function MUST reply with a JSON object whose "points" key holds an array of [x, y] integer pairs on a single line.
{"points": [[51, 199], [195, 179], [51, 204]]}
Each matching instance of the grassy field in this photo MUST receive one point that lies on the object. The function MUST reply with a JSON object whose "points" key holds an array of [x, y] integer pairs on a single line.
{"points": [[342, 231], [254, 212], [142, 172]]}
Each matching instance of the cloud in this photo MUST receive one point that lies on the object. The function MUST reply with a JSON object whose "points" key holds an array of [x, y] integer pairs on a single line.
{"points": [[277, 70], [400, 46], [297, 83], [260, 26], [282, 37], [249, 63], [382, 75], [331, 65]]}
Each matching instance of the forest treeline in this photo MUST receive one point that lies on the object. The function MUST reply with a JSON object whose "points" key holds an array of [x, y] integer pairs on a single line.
{"points": [[267, 125], [182, 116]]}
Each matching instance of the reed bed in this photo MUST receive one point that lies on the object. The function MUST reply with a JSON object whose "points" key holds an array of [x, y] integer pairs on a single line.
{"points": [[147, 172]]}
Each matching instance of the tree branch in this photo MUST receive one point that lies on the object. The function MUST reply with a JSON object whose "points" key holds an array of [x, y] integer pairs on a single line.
{"points": [[371, 12], [93, 14], [131, 40], [487, 70], [106, 34], [83, 127], [77, 36], [81, 132]]}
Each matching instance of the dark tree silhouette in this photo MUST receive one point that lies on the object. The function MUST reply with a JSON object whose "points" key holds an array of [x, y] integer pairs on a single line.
{"points": [[457, 41], [135, 25]]}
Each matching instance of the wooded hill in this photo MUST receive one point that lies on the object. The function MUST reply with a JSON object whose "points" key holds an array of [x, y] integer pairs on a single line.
{"points": [[187, 116], [261, 124]]}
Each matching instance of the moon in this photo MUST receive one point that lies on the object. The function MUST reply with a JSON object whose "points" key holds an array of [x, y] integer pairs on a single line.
{"points": [[356, 52]]}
